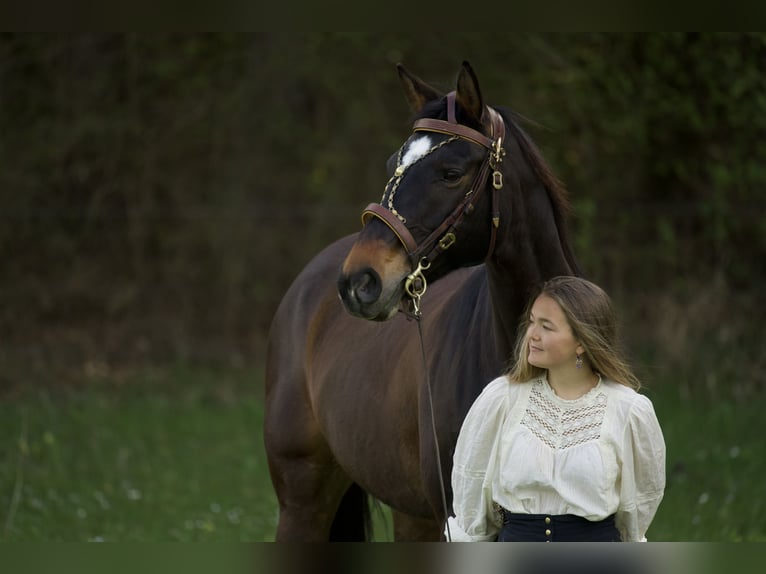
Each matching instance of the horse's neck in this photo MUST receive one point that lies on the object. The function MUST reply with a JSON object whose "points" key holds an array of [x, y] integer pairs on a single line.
{"points": [[528, 252], [507, 303]]}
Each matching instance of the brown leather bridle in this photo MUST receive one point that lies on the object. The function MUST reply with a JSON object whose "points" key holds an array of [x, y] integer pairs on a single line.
{"points": [[445, 235]]}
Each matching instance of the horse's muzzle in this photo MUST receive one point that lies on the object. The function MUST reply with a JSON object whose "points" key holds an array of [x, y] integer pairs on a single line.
{"points": [[361, 293]]}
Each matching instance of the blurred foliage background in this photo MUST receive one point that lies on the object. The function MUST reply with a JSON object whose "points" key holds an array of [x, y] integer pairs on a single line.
{"points": [[158, 193]]}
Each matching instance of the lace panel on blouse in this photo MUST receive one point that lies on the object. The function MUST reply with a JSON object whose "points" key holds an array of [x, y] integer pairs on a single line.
{"points": [[561, 427]]}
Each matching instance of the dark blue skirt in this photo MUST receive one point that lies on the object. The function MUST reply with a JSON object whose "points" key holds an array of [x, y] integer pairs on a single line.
{"points": [[556, 528]]}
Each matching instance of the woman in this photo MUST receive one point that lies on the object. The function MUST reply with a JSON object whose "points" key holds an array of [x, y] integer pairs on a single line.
{"points": [[562, 447]]}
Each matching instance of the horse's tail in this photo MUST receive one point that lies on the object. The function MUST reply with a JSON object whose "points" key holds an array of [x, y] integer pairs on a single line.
{"points": [[353, 520]]}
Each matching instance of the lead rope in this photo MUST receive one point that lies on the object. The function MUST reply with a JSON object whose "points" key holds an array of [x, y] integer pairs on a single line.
{"points": [[416, 285]]}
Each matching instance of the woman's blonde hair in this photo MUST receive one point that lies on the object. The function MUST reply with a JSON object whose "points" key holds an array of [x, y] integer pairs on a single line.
{"points": [[588, 310]]}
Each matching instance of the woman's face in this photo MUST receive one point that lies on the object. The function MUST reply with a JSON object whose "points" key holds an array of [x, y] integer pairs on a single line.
{"points": [[550, 341]]}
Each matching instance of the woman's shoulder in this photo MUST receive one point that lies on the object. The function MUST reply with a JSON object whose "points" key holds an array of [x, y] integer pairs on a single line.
{"points": [[497, 394], [486, 410], [494, 390], [503, 386], [627, 398]]}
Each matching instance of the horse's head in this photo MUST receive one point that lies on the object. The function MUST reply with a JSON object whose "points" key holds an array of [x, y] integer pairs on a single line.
{"points": [[439, 208]]}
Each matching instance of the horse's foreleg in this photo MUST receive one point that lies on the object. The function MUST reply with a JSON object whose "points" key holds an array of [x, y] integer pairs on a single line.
{"points": [[308, 483], [309, 495]]}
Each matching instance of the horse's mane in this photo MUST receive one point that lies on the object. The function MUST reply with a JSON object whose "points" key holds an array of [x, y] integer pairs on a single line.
{"points": [[557, 192]]}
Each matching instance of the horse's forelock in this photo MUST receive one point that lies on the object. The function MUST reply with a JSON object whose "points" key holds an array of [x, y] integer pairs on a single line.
{"points": [[433, 109]]}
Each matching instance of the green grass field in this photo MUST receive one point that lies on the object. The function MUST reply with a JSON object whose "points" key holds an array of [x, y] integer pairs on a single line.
{"points": [[173, 456], [176, 455]]}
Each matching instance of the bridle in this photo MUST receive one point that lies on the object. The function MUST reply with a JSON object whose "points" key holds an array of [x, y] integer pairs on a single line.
{"points": [[445, 235]]}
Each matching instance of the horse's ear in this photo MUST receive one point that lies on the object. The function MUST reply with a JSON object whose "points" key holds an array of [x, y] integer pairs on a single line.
{"points": [[468, 93], [417, 92]]}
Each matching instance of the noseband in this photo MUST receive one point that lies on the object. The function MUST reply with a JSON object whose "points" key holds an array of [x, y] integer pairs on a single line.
{"points": [[445, 235]]}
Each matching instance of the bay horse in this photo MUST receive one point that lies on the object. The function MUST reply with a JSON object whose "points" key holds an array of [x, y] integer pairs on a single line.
{"points": [[473, 212]]}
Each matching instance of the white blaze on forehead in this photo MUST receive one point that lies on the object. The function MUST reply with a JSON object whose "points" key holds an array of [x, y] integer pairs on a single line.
{"points": [[417, 149]]}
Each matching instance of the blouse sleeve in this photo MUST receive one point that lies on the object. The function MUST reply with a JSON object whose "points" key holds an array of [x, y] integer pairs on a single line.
{"points": [[475, 519], [643, 471]]}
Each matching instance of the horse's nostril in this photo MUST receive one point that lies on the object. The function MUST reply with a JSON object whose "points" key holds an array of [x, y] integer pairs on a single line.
{"points": [[366, 286]]}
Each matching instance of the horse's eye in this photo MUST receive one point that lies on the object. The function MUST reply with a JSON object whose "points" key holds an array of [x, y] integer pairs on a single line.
{"points": [[452, 175]]}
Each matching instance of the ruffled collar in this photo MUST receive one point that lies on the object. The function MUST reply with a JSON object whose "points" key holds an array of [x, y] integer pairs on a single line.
{"points": [[586, 398]]}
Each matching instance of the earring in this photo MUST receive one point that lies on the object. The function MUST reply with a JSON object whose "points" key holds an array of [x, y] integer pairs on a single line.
{"points": [[578, 361]]}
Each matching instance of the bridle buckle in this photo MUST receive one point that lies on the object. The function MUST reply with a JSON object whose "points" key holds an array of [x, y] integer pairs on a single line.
{"points": [[447, 241]]}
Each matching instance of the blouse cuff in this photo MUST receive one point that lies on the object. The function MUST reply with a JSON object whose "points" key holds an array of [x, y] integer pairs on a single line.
{"points": [[453, 533]]}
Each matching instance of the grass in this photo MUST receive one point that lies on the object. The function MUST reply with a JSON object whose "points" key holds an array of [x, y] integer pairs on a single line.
{"points": [[170, 457], [715, 468], [176, 455]]}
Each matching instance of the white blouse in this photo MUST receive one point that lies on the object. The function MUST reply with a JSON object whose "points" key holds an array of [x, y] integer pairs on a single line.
{"points": [[526, 449]]}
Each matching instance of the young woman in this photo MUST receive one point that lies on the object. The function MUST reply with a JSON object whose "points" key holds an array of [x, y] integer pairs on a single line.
{"points": [[562, 447]]}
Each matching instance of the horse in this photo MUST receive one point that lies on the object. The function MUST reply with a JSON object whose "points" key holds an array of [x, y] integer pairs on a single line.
{"points": [[473, 213]]}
